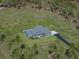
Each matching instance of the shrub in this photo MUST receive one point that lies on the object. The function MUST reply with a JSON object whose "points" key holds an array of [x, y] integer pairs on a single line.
{"points": [[22, 46], [2, 36], [77, 27], [75, 21]]}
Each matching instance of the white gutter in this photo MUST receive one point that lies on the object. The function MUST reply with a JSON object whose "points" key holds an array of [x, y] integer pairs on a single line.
{"points": [[54, 32]]}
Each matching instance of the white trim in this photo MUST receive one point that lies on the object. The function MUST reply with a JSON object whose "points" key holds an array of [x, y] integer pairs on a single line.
{"points": [[53, 32]]}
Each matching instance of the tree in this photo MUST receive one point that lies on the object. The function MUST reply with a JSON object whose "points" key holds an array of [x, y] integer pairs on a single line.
{"points": [[22, 56], [13, 53], [2, 36], [74, 53], [75, 21], [22, 46], [35, 49], [68, 54], [17, 38], [77, 27]]}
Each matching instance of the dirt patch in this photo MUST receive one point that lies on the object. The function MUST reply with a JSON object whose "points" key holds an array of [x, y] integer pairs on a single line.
{"points": [[4, 51], [1, 8]]}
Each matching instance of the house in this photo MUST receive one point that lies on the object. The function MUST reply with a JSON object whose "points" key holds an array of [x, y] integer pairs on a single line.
{"points": [[37, 32]]}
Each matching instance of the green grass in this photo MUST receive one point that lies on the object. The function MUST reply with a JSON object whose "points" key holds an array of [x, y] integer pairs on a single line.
{"points": [[13, 22]]}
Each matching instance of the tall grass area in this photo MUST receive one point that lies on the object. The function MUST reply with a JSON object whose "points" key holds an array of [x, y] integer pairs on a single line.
{"points": [[13, 22]]}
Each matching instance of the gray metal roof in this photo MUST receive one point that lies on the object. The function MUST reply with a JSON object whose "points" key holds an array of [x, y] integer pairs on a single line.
{"points": [[38, 30], [28, 32]]}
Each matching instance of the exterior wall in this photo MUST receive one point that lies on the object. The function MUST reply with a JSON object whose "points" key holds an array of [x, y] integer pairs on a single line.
{"points": [[38, 36]]}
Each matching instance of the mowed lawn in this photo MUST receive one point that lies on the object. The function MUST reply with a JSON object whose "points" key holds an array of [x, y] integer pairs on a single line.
{"points": [[14, 21]]}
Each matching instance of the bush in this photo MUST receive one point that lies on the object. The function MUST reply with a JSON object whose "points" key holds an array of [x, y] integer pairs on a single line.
{"points": [[2, 36], [77, 27], [75, 21]]}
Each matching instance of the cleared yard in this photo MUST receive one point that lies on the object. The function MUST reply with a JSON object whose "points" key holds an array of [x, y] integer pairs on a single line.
{"points": [[13, 22]]}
